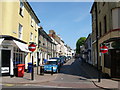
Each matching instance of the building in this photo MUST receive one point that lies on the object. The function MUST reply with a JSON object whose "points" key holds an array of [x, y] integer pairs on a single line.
{"points": [[57, 40], [88, 49], [19, 28], [106, 16], [54, 47], [46, 45]]}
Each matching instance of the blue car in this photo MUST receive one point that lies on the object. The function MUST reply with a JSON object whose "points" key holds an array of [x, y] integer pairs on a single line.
{"points": [[58, 61], [51, 64]]}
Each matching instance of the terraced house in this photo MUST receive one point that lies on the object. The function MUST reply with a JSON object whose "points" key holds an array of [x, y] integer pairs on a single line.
{"points": [[19, 28], [106, 21], [46, 46]]}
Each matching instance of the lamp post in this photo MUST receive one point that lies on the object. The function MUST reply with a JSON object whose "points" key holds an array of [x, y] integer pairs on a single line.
{"points": [[32, 48]]}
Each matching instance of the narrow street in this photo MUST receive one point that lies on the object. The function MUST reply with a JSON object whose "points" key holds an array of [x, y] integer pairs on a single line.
{"points": [[71, 75]]}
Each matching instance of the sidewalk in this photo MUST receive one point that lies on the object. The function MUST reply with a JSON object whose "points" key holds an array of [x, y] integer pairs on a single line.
{"points": [[27, 78], [105, 83]]}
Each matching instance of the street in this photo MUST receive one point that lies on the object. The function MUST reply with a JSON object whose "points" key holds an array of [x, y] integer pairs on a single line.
{"points": [[71, 75]]}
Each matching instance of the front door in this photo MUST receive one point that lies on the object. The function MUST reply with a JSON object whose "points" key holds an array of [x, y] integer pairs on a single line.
{"points": [[5, 61]]}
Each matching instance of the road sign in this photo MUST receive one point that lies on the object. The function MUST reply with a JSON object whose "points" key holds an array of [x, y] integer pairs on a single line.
{"points": [[32, 47], [104, 49]]}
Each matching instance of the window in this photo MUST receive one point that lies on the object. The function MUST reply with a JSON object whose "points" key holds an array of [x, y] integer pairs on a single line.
{"points": [[20, 31], [36, 27], [32, 21], [19, 57], [100, 29], [35, 38], [103, 3], [105, 25], [21, 8], [31, 36]]}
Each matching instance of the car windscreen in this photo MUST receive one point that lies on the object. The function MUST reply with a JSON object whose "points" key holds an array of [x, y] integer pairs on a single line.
{"points": [[51, 62]]}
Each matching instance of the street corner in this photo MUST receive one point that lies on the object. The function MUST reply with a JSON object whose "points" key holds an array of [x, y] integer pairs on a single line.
{"points": [[119, 85]]}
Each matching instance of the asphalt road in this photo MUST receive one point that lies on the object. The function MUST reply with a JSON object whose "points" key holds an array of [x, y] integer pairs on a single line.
{"points": [[71, 76]]}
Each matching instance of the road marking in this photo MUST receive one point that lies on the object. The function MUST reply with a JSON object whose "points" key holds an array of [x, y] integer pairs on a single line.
{"points": [[9, 85]]}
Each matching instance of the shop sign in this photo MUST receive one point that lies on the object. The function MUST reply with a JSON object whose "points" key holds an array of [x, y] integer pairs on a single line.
{"points": [[4, 69]]}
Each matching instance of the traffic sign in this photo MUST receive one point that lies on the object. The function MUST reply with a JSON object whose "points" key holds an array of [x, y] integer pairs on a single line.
{"points": [[32, 47], [104, 49]]}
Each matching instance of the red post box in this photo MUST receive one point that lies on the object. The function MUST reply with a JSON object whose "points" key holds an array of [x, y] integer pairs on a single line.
{"points": [[21, 68]]}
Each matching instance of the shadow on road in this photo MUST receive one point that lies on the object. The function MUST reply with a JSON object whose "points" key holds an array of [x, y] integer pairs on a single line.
{"points": [[80, 68]]}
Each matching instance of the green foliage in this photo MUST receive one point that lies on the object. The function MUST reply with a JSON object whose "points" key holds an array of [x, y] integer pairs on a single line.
{"points": [[79, 43]]}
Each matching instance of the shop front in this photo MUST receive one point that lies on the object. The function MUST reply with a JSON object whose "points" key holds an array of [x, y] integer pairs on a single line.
{"points": [[112, 58], [12, 52]]}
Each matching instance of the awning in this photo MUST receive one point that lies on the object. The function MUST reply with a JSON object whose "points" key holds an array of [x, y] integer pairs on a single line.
{"points": [[22, 46], [1, 40]]}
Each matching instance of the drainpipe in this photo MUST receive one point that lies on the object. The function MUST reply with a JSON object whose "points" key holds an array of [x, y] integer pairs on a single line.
{"points": [[96, 15]]}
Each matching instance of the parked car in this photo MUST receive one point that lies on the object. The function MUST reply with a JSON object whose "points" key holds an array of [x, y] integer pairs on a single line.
{"points": [[62, 58], [69, 57], [51, 63], [58, 61]]}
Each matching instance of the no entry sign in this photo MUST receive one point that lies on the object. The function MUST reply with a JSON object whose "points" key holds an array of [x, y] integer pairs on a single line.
{"points": [[104, 49], [32, 47]]}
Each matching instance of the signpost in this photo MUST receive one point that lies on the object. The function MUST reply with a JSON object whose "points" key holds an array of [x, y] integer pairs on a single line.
{"points": [[103, 49], [32, 48]]}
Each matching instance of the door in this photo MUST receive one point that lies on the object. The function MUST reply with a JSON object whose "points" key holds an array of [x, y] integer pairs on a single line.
{"points": [[5, 60], [115, 69]]}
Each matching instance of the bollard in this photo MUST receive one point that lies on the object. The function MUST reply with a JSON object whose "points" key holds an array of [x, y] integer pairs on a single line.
{"points": [[52, 71]]}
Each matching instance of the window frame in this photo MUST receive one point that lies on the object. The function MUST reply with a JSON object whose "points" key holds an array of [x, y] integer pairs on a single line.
{"points": [[20, 30], [21, 11], [105, 24], [31, 36]]}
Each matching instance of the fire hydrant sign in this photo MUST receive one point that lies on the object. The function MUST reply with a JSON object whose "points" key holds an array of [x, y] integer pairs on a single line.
{"points": [[32, 47], [104, 49]]}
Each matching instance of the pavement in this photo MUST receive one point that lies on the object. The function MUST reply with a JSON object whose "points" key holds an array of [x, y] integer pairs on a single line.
{"points": [[104, 83], [26, 79], [47, 78]]}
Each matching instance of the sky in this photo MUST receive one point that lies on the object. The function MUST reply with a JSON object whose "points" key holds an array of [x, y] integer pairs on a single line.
{"points": [[70, 20]]}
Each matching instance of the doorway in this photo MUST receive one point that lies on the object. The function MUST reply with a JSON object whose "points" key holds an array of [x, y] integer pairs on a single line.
{"points": [[5, 61], [115, 63]]}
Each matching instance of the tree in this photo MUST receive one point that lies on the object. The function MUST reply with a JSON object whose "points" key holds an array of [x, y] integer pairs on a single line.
{"points": [[79, 43]]}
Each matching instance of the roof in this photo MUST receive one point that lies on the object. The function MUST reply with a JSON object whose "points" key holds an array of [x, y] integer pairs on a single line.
{"points": [[92, 7], [42, 32], [32, 11]]}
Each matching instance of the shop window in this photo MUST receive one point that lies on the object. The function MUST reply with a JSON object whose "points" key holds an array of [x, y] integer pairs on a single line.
{"points": [[107, 60], [19, 57]]}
